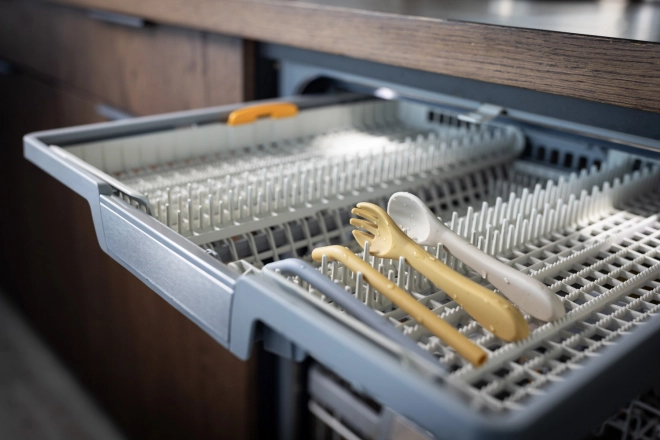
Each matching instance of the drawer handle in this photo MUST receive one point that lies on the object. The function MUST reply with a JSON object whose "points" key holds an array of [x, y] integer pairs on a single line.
{"points": [[275, 110]]}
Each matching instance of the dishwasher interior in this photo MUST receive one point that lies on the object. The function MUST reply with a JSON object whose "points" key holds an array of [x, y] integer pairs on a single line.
{"points": [[580, 217]]}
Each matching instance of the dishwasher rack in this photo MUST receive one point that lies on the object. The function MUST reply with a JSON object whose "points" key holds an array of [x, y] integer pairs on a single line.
{"points": [[174, 197], [601, 260]]}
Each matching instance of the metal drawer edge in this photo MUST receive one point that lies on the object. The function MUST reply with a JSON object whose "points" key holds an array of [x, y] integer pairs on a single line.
{"points": [[179, 271], [87, 185]]}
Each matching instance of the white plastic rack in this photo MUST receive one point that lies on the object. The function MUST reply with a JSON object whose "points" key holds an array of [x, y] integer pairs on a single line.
{"points": [[282, 199], [253, 194]]}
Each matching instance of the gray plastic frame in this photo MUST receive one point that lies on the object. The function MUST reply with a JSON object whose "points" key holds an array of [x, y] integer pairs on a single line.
{"points": [[231, 308], [204, 294]]}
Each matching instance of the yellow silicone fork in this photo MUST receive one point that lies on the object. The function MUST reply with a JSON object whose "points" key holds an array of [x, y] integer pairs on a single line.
{"points": [[386, 240], [405, 302]]}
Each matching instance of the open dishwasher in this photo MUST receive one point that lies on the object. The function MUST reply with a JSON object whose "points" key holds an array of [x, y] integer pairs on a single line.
{"points": [[196, 207]]}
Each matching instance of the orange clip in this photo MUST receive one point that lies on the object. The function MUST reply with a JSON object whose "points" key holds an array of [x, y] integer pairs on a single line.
{"points": [[275, 110]]}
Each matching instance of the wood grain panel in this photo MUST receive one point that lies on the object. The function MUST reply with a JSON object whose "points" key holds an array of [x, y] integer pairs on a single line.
{"points": [[147, 70], [612, 71], [156, 374]]}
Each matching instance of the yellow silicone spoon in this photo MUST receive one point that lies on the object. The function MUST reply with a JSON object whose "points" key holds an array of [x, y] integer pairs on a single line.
{"points": [[493, 312], [405, 302]]}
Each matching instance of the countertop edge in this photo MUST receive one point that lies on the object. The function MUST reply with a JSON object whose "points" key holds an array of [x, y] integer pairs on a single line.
{"points": [[612, 71]]}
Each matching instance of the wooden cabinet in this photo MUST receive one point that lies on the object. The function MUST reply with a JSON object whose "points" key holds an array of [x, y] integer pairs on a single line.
{"points": [[152, 370], [146, 70]]}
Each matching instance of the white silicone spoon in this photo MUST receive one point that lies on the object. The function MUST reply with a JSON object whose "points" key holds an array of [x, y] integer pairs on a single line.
{"points": [[419, 222]]}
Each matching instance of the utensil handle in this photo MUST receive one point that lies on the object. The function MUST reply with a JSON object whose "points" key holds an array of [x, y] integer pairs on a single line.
{"points": [[251, 113], [530, 294], [492, 311], [436, 325], [353, 306]]}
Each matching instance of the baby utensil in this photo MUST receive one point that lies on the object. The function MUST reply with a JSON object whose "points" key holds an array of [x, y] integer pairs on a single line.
{"points": [[419, 222], [386, 240], [418, 311]]}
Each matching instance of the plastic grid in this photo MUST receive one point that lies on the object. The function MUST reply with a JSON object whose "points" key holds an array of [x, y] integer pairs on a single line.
{"points": [[599, 258]]}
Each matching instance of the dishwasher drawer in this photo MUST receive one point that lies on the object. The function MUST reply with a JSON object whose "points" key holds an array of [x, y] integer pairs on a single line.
{"points": [[196, 207]]}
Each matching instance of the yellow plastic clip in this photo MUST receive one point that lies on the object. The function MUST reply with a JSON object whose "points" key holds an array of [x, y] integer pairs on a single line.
{"points": [[275, 110]]}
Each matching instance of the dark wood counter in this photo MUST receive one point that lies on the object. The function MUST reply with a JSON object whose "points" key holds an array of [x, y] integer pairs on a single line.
{"points": [[601, 64], [630, 20]]}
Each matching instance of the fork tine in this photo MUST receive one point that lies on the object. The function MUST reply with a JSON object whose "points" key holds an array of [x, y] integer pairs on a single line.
{"points": [[362, 237], [371, 208], [363, 224], [365, 214]]}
